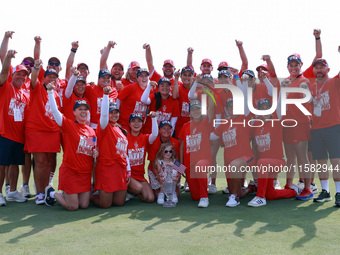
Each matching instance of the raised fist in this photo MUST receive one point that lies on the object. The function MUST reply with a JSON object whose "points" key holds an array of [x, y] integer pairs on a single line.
{"points": [[177, 74], [9, 34], [285, 83], [146, 46], [50, 86], [107, 90], [75, 45], [190, 50], [153, 84], [37, 39], [111, 44], [265, 57], [238, 43], [317, 33], [11, 53], [152, 114], [233, 71]]}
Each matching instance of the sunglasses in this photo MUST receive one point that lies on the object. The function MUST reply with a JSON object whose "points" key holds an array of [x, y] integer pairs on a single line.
{"points": [[28, 63], [53, 64], [168, 151]]}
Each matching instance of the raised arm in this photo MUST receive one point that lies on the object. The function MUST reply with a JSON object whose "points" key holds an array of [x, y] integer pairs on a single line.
{"points": [[148, 56], [145, 96], [72, 82], [4, 45], [189, 57], [35, 72], [243, 55], [175, 89], [70, 59], [271, 70], [105, 54], [318, 45], [6, 66], [36, 51], [58, 117], [104, 113], [154, 130]]}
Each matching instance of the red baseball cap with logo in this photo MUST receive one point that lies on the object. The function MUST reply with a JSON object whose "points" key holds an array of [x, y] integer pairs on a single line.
{"points": [[134, 64], [222, 64], [19, 68], [206, 60], [83, 64], [118, 63], [264, 66], [168, 61]]}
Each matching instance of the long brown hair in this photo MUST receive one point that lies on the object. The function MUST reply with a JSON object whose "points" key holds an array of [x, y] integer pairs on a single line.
{"points": [[160, 152]]}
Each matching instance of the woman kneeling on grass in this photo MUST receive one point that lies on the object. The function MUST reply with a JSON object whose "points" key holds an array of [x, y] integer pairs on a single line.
{"points": [[78, 145], [111, 172]]}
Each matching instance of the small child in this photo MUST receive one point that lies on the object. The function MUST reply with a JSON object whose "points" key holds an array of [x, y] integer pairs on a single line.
{"points": [[166, 157]]}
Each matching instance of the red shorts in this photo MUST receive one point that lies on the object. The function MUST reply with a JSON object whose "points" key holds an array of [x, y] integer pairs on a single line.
{"points": [[73, 182], [295, 135], [110, 178], [42, 141], [249, 159]]}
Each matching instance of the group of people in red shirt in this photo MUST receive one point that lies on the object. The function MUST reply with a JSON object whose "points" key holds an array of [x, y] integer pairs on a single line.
{"points": [[107, 129]]}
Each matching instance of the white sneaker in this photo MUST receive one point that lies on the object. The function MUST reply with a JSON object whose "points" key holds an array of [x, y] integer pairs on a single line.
{"points": [[186, 187], [40, 199], [204, 202], [2, 200], [128, 196], [233, 201], [25, 191], [174, 198], [160, 199], [257, 201], [7, 189], [15, 196], [296, 188], [300, 185], [226, 190], [277, 184], [314, 188], [212, 189]]}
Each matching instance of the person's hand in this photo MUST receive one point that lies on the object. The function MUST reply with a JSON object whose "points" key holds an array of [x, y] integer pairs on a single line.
{"points": [[8, 34], [177, 74], [111, 44], [153, 84], [37, 39], [238, 43], [38, 63], [190, 50], [233, 71], [285, 83], [107, 90], [198, 78], [11, 53], [75, 45], [265, 57], [317, 33], [119, 85], [74, 71], [95, 153], [50, 86], [152, 114], [262, 74], [304, 85], [146, 46]]}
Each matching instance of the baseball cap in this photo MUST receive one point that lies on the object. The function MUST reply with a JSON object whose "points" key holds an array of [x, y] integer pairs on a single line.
{"points": [[51, 71], [142, 70], [249, 72], [164, 79], [134, 64], [321, 61], [104, 72], [206, 60], [222, 65], [54, 59], [80, 103], [263, 101], [164, 123], [135, 116], [224, 72], [262, 66], [208, 76], [169, 61], [113, 106], [118, 63], [294, 58], [83, 64], [29, 58], [195, 103], [20, 68], [187, 68], [80, 78]]}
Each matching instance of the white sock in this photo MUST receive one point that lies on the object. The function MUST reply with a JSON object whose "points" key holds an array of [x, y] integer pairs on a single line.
{"points": [[337, 187], [52, 194], [325, 185]]}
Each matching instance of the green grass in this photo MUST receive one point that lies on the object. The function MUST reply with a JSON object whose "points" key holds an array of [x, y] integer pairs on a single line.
{"points": [[281, 227]]}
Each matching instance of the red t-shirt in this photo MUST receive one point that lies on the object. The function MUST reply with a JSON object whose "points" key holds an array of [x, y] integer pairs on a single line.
{"points": [[183, 101], [235, 139], [195, 136], [130, 103], [126, 82], [78, 144], [137, 148], [12, 100], [95, 95], [168, 110], [69, 104], [308, 73], [112, 146], [328, 94], [40, 117]]}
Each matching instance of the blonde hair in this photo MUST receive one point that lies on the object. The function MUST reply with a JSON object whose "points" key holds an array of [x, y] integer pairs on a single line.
{"points": [[161, 150]]}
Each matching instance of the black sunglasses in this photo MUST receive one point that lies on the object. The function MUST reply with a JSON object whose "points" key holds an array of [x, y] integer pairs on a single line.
{"points": [[167, 151]]}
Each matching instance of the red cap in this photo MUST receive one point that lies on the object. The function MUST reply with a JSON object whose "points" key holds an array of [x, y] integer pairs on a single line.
{"points": [[169, 61], [221, 65], [296, 55], [19, 68], [206, 60], [134, 64], [83, 65], [118, 63], [263, 66]]}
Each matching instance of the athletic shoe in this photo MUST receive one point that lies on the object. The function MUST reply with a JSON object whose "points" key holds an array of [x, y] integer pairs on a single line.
{"points": [[209, 181], [306, 194], [277, 184], [186, 187], [296, 188], [301, 185], [314, 188], [160, 199], [337, 199], [7, 189], [174, 198], [212, 189], [40, 199], [15, 196], [128, 196], [51, 182], [204, 202], [49, 201], [323, 197], [226, 190], [25, 191], [233, 201], [2, 200], [257, 201]]}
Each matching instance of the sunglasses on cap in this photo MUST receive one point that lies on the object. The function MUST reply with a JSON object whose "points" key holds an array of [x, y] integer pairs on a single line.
{"points": [[168, 151], [53, 64], [28, 63]]}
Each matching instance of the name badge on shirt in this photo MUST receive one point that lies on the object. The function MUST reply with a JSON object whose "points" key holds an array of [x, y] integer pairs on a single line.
{"points": [[17, 115], [317, 109]]}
